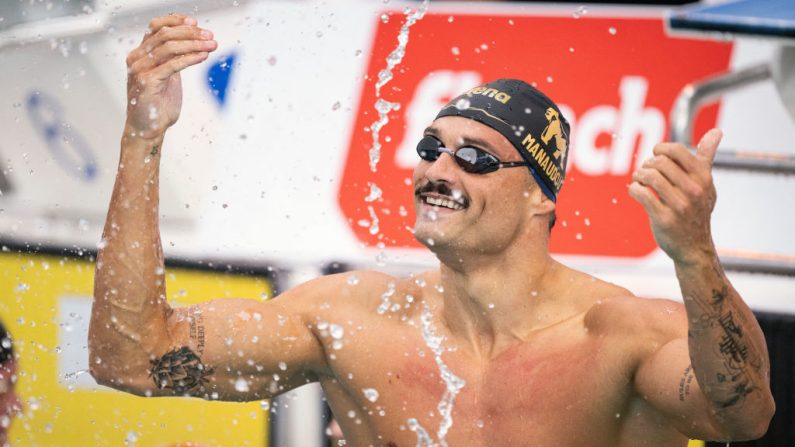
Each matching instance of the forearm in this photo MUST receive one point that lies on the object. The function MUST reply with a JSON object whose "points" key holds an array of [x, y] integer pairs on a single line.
{"points": [[128, 322], [727, 347]]}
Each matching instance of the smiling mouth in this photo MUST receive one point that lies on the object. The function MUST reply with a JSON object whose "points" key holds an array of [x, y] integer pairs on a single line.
{"points": [[444, 202]]}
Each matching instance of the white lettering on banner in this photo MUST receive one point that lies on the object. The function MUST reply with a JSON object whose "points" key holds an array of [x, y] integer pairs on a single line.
{"points": [[432, 93], [626, 123]]}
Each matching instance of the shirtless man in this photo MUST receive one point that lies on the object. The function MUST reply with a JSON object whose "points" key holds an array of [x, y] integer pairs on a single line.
{"points": [[547, 356]]}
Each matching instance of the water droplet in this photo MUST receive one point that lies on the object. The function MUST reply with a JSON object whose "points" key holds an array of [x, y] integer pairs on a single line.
{"points": [[571, 49], [549, 79], [336, 331], [491, 305], [581, 11], [83, 47], [130, 438], [265, 405], [375, 193], [450, 19], [384, 18], [479, 423], [283, 366], [353, 280], [578, 236], [462, 104], [455, 50], [241, 385], [336, 106], [272, 61], [371, 394], [612, 30], [134, 101]]}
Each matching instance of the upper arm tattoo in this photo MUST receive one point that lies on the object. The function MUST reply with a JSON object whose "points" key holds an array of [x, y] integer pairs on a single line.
{"points": [[197, 332], [684, 384], [180, 370]]}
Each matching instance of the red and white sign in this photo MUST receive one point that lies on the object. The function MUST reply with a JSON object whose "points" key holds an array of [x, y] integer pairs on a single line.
{"points": [[615, 79]]}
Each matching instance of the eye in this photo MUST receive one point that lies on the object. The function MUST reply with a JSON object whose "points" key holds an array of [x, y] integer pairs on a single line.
{"points": [[428, 148]]}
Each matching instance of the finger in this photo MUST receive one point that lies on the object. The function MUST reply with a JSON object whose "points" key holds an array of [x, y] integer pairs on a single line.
{"points": [[678, 153], [647, 199], [671, 171], [669, 196], [708, 145], [170, 20], [169, 50], [166, 34], [175, 65]]}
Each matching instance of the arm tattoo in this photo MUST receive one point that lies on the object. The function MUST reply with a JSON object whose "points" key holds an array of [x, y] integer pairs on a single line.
{"points": [[197, 329], [180, 370], [732, 348], [684, 384], [155, 150]]}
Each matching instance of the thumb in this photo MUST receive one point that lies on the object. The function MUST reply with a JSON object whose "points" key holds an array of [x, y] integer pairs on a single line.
{"points": [[709, 144]]}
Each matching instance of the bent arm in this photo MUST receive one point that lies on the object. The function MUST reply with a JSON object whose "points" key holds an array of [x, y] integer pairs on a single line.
{"points": [[226, 349], [232, 349], [727, 349]]}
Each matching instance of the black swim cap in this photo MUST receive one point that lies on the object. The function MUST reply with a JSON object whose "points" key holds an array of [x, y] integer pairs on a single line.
{"points": [[528, 119]]}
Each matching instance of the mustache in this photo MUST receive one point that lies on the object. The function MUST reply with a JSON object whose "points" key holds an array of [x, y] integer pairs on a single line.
{"points": [[435, 187], [440, 188]]}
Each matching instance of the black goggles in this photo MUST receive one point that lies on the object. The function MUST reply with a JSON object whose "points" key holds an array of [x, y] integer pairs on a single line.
{"points": [[471, 159]]}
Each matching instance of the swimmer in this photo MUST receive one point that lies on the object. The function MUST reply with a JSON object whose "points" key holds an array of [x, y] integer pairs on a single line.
{"points": [[549, 355], [10, 405]]}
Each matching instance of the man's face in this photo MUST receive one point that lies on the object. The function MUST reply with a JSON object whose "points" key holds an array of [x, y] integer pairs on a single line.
{"points": [[10, 404], [477, 212]]}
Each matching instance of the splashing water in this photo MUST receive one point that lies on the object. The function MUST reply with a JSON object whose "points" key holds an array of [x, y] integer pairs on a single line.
{"points": [[383, 107], [374, 221], [385, 75], [453, 383], [385, 298]]}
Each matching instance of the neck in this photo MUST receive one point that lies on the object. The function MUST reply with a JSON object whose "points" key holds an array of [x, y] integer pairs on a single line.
{"points": [[493, 300]]}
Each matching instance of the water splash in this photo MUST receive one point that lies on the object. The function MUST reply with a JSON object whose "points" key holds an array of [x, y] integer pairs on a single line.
{"points": [[386, 75], [453, 383]]}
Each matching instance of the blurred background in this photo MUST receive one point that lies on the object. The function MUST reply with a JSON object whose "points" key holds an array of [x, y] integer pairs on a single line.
{"points": [[266, 180]]}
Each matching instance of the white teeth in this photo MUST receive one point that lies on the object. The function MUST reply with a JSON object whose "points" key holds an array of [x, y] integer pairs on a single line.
{"points": [[443, 203]]}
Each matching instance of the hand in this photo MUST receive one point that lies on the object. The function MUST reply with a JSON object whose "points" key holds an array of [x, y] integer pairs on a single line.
{"points": [[154, 88], [676, 189]]}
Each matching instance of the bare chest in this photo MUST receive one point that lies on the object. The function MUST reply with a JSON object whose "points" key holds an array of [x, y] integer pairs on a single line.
{"points": [[543, 392]]}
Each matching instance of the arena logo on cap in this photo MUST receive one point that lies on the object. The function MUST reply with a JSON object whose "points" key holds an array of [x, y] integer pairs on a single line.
{"points": [[491, 93], [615, 89]]}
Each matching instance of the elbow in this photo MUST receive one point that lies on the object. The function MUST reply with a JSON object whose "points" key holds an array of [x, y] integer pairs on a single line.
{"points": [[753, 425]]}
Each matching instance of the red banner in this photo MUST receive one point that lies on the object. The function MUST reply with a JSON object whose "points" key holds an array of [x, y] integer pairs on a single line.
{"points": [[614, 78]]}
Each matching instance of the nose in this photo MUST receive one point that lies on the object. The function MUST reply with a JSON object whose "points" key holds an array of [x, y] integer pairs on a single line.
{"points": [[444, 168]]}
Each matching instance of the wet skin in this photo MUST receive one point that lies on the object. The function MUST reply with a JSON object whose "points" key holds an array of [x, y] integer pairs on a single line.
{"points": [[550, 356]]}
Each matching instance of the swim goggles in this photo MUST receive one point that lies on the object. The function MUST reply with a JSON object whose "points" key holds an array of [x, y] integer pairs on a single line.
{"points": [[470, 159]]}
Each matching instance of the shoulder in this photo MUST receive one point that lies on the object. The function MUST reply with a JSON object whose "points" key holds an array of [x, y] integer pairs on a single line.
{"points": [[625, 315], [350, 290]]}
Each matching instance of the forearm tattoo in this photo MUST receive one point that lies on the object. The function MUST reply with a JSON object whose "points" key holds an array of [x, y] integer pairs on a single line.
{"points": [[740, 359], [180, 370]]}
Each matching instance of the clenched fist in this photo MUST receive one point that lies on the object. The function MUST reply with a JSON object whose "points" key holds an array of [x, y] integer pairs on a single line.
{"points": [[683, 197], [154, 88]]}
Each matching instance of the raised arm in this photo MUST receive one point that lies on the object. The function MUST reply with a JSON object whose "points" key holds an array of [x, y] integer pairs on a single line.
{"points": [[229, 349], [725, 348]]}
